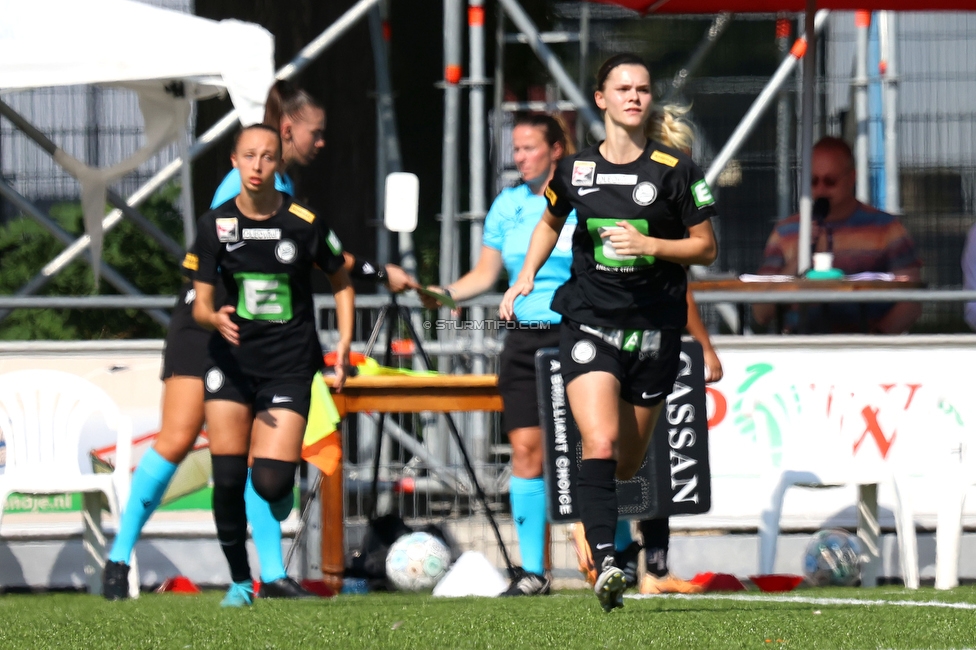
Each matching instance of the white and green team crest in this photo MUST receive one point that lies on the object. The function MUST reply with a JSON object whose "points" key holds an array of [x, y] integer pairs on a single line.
{"points": [[702, 194]]}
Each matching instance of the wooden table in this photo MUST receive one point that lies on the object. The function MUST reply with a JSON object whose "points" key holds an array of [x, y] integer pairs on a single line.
{"points": [[797, 291], [801, 284], [392, 394], [407, 394]]}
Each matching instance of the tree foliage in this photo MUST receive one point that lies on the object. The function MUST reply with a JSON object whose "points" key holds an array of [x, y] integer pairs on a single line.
{"points": [[25, 247]]}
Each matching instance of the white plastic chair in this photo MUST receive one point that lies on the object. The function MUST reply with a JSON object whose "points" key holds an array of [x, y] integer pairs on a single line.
{"points": [[42, 416], [953, 422], [819, 455]]}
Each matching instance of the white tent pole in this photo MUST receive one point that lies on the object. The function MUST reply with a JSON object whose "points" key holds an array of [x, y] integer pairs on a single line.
{"points": [[224, 126], [888, 29], [525, 25], [320, 43], [763, 101], [806, 140], [862, 20]]}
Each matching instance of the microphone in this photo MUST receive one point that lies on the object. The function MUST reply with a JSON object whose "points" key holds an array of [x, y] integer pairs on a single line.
{"points": [[821, 208]]}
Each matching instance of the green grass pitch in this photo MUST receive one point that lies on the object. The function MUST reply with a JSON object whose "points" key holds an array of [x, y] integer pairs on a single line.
{"points": [[571, 619]]}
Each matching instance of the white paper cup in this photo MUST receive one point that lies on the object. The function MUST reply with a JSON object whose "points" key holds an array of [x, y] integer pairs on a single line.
{"points": [[823, 261]]}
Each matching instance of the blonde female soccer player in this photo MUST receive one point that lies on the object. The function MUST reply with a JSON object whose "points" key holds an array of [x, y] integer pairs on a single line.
{"points": [[643, 212]]}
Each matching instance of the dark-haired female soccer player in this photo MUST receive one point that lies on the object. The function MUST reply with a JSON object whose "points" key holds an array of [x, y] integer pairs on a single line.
{"points": [[643, 212], [300, 121], [261, 247]]}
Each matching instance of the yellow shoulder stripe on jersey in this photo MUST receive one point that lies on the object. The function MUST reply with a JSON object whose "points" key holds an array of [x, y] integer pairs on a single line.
{"points": [[551, 196], [192, 262], [302, 213], [664, 159]]}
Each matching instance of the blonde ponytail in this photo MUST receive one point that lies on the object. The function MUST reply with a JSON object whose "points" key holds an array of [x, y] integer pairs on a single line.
{"points": [[670, 126]]}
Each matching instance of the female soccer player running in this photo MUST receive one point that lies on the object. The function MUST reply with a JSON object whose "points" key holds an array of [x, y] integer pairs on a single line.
{"points": [[668, 126], [538, 142], [261, 247], [643, 212]]}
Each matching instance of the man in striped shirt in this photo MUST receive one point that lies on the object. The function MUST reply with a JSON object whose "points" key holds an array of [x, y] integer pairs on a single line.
{"points": [[861, 238]]}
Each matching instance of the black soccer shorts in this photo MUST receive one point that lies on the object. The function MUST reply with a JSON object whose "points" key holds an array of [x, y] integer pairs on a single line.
{"points": [[645, 362], [517, 376], [228, 382]]}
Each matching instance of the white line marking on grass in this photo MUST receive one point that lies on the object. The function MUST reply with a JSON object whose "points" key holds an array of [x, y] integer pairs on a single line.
{"points": [[806, 600]]}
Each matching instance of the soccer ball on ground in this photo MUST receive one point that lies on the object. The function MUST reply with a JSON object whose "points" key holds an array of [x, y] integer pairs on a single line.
{"points": [[833, 558], [417, 562]]}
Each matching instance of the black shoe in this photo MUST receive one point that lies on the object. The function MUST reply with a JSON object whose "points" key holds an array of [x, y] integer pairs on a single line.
{"points": [[285, 588], [115, 581], [525, 583], [629, 561]]}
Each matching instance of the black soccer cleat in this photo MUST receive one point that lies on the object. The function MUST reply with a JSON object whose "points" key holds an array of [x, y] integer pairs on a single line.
{"points": [[115, 581], [285, 588], [525, 583], [629, 562]]}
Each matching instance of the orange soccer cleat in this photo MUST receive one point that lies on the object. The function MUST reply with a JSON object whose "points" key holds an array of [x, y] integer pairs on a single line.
{"points": [[669, 584], [583, 554]]}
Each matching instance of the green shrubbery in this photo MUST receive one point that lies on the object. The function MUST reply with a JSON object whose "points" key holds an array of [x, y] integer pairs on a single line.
{"points": [[25, 247]]}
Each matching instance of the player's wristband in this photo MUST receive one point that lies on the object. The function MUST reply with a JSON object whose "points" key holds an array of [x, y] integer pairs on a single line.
{"points": [[363, 269]]}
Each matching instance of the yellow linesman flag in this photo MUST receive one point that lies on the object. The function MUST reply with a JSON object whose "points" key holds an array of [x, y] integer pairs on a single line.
{"points": [[322, 446]]}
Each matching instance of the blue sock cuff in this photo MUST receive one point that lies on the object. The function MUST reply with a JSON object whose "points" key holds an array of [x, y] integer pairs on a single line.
{"points": [[622, 537], [156, 466], [517, 485]]}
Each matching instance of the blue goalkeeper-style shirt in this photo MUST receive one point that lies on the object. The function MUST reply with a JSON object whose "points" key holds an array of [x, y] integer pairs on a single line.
{"points": [[230, 187], [508, 228]]}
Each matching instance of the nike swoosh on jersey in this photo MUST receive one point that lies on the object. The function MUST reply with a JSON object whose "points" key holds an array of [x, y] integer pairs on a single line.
{"points": [[233, 247], [600, 547], [651, 396], [280, 399], [583, 191]]}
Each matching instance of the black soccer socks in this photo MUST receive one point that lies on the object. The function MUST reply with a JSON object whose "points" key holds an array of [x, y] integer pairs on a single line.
{"points": [[230, 477], [596, 490], [656, 533]]}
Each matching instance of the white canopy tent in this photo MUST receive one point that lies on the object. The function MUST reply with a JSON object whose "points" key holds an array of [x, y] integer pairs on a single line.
{"points": [[168, 58]]}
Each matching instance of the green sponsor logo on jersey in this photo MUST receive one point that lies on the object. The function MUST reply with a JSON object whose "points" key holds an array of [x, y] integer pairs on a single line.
{"points": [[603, 250], [701, 193], [263, 296], [334, 244]]}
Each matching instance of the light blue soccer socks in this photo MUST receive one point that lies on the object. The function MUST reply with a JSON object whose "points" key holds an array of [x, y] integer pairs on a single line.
{"points": [[149, 483], [528, 497], [622, 537], [266, 534]]}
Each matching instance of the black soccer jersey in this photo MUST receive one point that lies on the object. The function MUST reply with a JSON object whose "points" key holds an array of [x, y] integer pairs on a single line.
{"points": [[265, 267], [661, 194]]}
